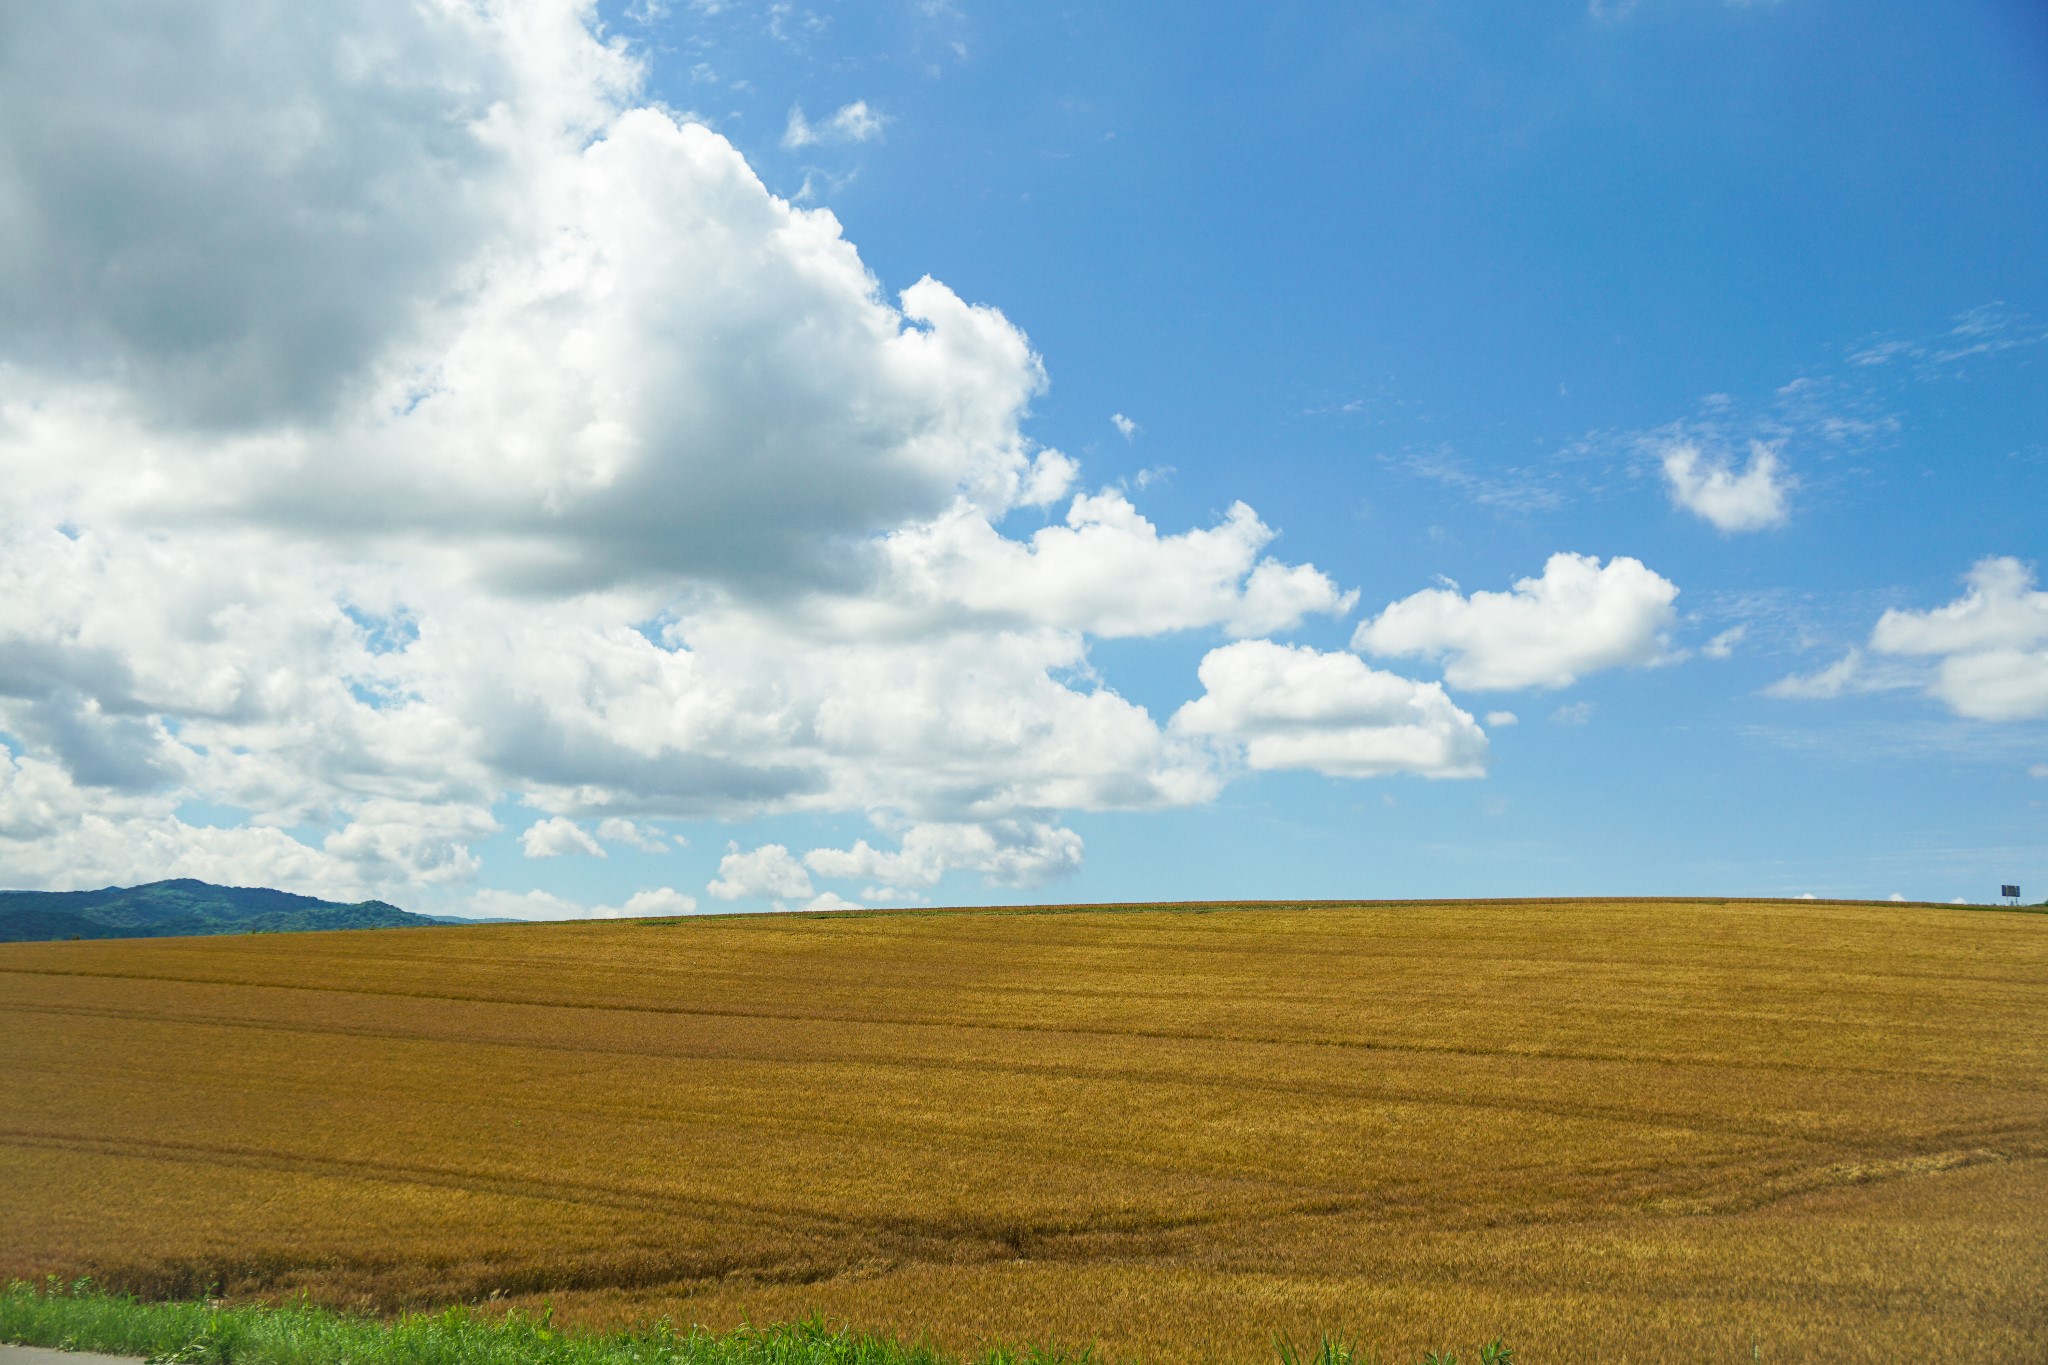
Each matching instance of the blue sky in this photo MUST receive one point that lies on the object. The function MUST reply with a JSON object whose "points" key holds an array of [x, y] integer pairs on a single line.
{"points": [[482, 474]]}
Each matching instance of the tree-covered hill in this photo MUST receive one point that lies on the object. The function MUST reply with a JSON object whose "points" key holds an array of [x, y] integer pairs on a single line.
{"points": [[184, 907]]}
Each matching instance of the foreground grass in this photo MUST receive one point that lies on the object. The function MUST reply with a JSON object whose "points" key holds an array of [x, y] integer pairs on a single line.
{"points": [[79, 1318], [203, 1333]]}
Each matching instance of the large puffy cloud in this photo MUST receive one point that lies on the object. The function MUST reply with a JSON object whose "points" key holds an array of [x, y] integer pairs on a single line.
{"points": [[735, 711], [1577, 618], [1286, 706], [2001, 610], [397, 421], [1991, 643], [261, 681], [230, 210], [674, 372], [1985, 655], [306, 696], [698, 377], [770, 872], [55, 832], [556, 837], [1109, 572]]}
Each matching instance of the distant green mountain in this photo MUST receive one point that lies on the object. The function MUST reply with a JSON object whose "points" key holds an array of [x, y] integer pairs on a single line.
{"points": [[185, 907]]}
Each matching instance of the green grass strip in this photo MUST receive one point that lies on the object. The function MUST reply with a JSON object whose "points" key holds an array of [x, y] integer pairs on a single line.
{"points": [[79, 1318]]}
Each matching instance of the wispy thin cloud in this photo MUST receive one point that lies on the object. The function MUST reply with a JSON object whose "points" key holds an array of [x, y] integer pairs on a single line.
{"points": [[1988, 329], [1516, 489], [851, 123], [1722, 646]]}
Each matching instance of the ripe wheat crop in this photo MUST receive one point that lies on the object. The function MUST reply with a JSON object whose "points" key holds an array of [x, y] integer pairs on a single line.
{"points": [[1604, 1130]]}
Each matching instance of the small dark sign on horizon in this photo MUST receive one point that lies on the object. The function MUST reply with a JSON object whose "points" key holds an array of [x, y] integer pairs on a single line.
{"points": [[2009, 892]]}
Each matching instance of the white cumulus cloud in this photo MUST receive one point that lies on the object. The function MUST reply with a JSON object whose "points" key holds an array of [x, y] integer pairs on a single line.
{"points": [[1713, 490], [1288, 706], [770, 872], [1991, 643], [1005, 853], [1108, 571], [1579, 617], [1984, 655], [555, 837]]}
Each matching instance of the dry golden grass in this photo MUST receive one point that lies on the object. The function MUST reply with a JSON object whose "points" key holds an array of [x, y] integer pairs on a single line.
{"points": [[1648, 1130]]}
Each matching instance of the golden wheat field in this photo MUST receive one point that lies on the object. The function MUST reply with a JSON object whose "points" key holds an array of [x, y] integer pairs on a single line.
{"points": [[1604, 1130]]}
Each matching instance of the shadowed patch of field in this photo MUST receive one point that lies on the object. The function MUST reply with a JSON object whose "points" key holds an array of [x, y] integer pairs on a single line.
{"points": [[1618, 1130]]}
